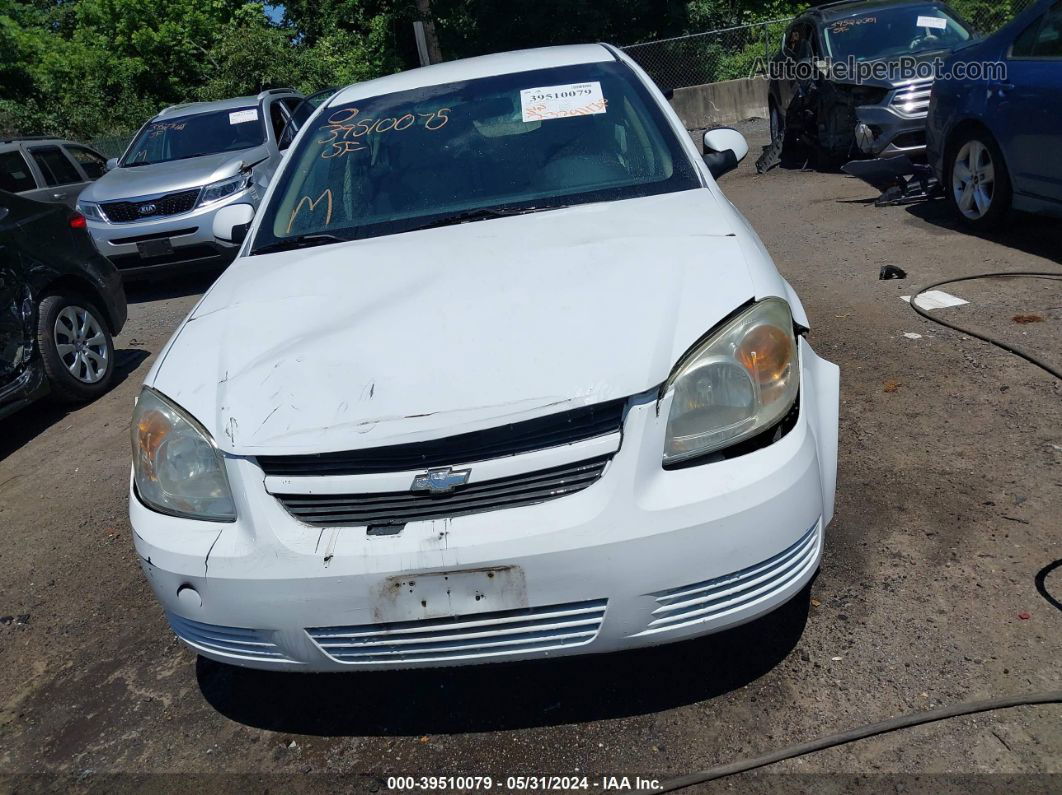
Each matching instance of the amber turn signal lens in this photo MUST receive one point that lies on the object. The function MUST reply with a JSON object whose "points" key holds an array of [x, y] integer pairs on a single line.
{"points": [[767, 353], [152, 430]]}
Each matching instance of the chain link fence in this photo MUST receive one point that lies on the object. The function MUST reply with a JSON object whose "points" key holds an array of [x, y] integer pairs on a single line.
{"points": [[111, 145], [743, 51], [710, 57]]}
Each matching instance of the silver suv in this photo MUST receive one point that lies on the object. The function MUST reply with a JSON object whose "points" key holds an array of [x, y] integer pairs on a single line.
{"points": [[155, 206]]}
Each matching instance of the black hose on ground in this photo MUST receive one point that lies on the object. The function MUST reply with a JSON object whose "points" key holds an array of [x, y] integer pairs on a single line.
{"points": [[885, 726], [984, 337]]}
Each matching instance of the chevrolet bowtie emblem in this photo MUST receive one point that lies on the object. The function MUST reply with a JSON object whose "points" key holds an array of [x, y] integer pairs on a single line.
{"points": [[440, 481]]}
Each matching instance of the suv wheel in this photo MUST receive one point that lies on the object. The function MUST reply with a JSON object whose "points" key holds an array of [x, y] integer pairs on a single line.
{"points": [[978, 185], [76, 349]]}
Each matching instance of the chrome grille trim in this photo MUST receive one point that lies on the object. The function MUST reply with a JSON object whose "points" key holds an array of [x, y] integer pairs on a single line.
{"points": [[250, 644], [710, 599], [912, 100], [464, 637], [393, 508]]}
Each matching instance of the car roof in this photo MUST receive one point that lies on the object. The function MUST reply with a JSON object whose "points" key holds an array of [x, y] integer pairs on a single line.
{"points": [[232, 103], [850, 8], [14, 141], [472, 68]]}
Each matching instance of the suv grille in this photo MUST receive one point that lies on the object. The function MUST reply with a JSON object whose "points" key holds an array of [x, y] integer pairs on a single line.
{"points": [[170, 204], [554, 430], [396, 508], [912, 100]]}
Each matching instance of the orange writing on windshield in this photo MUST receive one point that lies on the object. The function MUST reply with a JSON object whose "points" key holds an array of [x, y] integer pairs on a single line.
{"points": [[312, 204]]}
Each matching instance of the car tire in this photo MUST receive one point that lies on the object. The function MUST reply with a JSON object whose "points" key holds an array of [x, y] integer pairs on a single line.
{"points": [[977, 182], [76, 348]]}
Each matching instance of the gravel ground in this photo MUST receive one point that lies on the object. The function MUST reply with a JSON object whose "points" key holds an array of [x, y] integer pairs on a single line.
{"points": [[948, 506]]}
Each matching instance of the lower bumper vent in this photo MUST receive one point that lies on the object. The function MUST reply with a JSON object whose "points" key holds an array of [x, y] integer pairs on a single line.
{"points": [[481, 635], [249, 644]]}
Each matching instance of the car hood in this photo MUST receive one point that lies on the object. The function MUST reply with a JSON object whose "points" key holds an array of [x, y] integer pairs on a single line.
{"points": [[910, 60], [426, 334], [175, 175]]}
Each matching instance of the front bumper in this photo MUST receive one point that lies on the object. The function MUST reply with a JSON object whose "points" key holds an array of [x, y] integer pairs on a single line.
{"points": [[642, 557], [893, 134], [190, 234]]}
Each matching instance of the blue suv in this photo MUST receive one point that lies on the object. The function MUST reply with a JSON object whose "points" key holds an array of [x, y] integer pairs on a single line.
{"points": [[995, 140]]}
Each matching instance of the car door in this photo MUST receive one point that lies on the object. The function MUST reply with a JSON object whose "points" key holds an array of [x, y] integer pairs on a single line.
{"points": [[63, 182], [13, 338], [796, 47], [1025, 108]]}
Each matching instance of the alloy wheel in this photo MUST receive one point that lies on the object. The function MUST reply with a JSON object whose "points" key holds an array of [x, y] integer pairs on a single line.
{"points": [[973, 180], [81, 344]]}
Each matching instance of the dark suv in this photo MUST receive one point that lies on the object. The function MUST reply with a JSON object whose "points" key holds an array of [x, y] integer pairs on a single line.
{"points": [[60, 304], [818, 95]]}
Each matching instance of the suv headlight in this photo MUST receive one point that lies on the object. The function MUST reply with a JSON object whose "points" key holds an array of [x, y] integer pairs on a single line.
{"points": [[91, 210], [176, 466], [741, 380], [216, 191]]}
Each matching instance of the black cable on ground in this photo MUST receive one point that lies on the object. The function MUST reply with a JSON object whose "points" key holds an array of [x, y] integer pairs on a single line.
{"points": [[885, 726], [984, 337]]}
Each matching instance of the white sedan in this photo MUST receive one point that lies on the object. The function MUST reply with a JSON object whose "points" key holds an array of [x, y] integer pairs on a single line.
{"points": [[498, 374]]}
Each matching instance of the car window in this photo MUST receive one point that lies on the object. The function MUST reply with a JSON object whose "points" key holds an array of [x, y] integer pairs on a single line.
{"points": [[544, 138], [91, 163], [55, 166], [893, 31], [15, 174], [798, 44], [1043, 38], [276, 119], [182, 137]]}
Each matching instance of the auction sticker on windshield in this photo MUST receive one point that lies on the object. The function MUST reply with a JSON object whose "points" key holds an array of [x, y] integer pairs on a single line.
{"points": [[561, 102], [932, 22], [241, 116]]}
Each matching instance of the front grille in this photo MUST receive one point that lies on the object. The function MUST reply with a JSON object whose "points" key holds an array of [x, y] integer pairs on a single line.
{"points": [[912, 100], [711, 599], [395, 508], [519, 437], [248, 644], [533, 629], [170, 204]]}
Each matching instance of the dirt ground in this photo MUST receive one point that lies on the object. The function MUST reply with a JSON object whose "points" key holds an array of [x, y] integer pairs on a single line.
{"points": [[949, 498]]}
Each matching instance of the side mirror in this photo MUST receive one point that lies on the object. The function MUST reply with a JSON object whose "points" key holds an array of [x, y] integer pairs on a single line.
{"points": [[724, 148], [112, 164], [232, 222]]}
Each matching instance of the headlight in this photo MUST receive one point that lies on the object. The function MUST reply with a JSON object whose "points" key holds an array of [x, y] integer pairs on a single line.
{"points": [[742, 380], [216, 191], [176, 467], [91, 211]]}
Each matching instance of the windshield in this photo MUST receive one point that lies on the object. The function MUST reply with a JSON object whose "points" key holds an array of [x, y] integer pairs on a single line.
{"points": [[531, 140], [892, 32], [194, 135]]}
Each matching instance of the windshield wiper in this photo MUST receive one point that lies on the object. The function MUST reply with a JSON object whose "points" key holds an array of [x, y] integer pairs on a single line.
{"points": [[481, 214], [299, 241], [137, 163]]}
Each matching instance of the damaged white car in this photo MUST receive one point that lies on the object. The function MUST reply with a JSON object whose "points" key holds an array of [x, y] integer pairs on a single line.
{"points": [[498, 374]]}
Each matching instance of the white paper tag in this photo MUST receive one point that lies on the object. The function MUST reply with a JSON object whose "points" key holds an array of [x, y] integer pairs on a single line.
{"points": [[562, 102], [932, 22], [241, 116]]}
